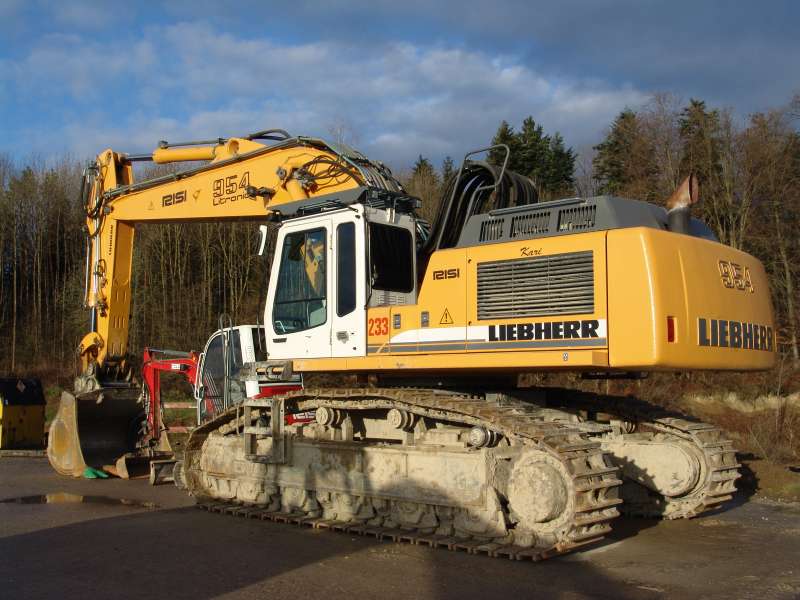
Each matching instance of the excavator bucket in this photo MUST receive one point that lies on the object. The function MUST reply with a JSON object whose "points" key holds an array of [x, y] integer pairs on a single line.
{"points": [[97, 429]]}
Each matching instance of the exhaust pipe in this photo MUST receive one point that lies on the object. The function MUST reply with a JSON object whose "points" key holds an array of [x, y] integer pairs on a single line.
{"points": [[680, 204]]}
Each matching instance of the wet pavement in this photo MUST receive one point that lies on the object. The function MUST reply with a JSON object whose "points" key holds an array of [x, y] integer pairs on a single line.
{"points": [[71, 538], [67, 498]]}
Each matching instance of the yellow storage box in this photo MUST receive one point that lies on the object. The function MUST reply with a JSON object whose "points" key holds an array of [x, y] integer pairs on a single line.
{"points": [[21, 413]]}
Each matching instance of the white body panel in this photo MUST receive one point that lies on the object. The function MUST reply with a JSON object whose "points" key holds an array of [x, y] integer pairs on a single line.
{"points": [[337, 336]]}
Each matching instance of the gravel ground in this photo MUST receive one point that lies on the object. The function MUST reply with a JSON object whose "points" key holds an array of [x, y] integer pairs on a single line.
{"points": [[158, 545]]}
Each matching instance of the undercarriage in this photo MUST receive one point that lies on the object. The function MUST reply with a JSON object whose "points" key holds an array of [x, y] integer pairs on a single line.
{"points": [[673, 467], [516, 473]]}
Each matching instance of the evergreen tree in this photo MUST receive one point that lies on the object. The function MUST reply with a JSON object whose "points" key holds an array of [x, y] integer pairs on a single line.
{"points": [[559, 178], [533, 153], [423, 168], [448, 169], [425, 185], [538, 156], [625, 161], [505, 135], [700, 136]]}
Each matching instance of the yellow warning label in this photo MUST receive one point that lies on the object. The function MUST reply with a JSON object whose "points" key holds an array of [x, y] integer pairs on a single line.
{"points": [[446, 318]]}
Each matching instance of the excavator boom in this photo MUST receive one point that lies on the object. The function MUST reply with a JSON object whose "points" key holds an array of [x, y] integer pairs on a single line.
{"points": [[243, 180], [237, 179]]}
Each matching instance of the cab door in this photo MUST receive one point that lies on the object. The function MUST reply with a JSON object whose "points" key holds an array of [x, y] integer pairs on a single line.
{"points": [[209, 387], [349, 283], [298, 311], [317, 293]]}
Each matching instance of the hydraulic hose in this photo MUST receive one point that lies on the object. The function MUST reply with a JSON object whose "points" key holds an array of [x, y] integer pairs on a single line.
{"points": [[468, 199]]}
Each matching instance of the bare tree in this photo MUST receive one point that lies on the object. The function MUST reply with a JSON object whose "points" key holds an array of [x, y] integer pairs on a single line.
{"points": [[773, 148], [585, 182], [343, 133], [660, 119]]}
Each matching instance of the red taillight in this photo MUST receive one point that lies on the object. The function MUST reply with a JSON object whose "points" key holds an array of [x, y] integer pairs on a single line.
{"points": [[671, 329]]}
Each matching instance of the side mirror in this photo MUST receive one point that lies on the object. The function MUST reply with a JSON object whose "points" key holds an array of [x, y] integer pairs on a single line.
{"points": [[262, 239]]}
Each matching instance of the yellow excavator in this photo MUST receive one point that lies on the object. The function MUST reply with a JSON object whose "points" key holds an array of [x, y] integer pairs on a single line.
{"points": [[432, 440]]}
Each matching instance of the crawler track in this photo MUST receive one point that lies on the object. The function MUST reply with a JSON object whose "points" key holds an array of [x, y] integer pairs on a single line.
{"points": [[720, 470], [452, 543], [719, 467], [592, 481]]}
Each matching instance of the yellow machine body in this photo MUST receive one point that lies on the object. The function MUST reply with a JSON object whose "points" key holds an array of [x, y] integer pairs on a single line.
{"points": [[643, 279], [21, 414], [646, 282]]}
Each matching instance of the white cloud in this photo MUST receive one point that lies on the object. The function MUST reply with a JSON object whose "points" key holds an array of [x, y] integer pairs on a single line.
{"points": [[189, 81]]}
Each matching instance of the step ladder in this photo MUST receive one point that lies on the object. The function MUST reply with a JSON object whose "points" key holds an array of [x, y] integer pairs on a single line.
{"points": [[275, 430]]}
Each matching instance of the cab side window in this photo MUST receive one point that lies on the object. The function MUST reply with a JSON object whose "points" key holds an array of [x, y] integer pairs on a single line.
{"points": [[391, 258], [345, 269]]}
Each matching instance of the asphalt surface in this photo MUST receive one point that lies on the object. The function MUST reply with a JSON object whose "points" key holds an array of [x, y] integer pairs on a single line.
{"points": [[157, 545]]}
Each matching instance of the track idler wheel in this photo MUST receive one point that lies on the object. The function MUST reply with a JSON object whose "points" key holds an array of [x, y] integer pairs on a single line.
{"points": [[539, 495]]}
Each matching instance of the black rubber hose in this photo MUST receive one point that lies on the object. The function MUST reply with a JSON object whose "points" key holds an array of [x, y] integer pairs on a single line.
{"points": [[469, 199], [277, 135]]}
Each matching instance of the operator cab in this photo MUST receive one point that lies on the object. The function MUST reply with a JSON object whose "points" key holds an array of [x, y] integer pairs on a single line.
{"points": [[330, 268]]}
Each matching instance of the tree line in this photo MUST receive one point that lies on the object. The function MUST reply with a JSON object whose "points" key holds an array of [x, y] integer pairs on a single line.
{"points": [[185, 275], [749, 177]]}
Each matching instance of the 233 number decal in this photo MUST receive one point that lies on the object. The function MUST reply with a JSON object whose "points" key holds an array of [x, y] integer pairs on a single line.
{"points": [[378, 326]]}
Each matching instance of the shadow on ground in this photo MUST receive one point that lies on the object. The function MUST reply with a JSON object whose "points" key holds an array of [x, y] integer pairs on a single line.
{"points": [[187, 553]]}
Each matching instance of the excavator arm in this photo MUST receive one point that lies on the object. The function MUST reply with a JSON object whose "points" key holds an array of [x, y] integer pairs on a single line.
{"points": [[265, 176], [239, 179]]}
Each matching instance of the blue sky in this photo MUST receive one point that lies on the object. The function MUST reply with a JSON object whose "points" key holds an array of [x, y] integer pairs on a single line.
{"points": [[398, 78]]}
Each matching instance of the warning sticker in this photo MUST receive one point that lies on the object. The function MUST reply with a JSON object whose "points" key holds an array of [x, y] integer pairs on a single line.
{"points": [[446, 318]]}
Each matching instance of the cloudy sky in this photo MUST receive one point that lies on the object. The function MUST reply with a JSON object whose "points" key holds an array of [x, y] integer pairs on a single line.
{"points": [[400, 78]]}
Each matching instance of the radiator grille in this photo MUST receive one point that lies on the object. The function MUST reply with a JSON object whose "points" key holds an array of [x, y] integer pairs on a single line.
{"points": [[577, 218], [533, 223], [492, 230], [540, 285]]}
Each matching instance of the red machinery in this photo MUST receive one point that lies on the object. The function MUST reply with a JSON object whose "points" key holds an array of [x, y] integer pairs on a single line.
{"points": [[154, 361], [154, 449]]}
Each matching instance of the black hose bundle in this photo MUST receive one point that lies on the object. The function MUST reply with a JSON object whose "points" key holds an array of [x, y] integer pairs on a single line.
{"points": [[323, 171], [277, 135], [473, 193]]}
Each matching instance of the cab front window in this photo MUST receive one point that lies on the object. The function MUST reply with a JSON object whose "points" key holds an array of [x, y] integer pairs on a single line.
{"points": [[301, 295]]}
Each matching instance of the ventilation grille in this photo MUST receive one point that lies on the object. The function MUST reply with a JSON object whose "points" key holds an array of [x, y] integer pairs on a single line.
{"points": [[492, 230], [533, 223], [387, 298], [541, 285], [577, 219]]}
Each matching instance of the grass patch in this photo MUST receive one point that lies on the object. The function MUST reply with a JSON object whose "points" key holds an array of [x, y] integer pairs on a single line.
{"points": [[185, 417], [779, 482]]}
